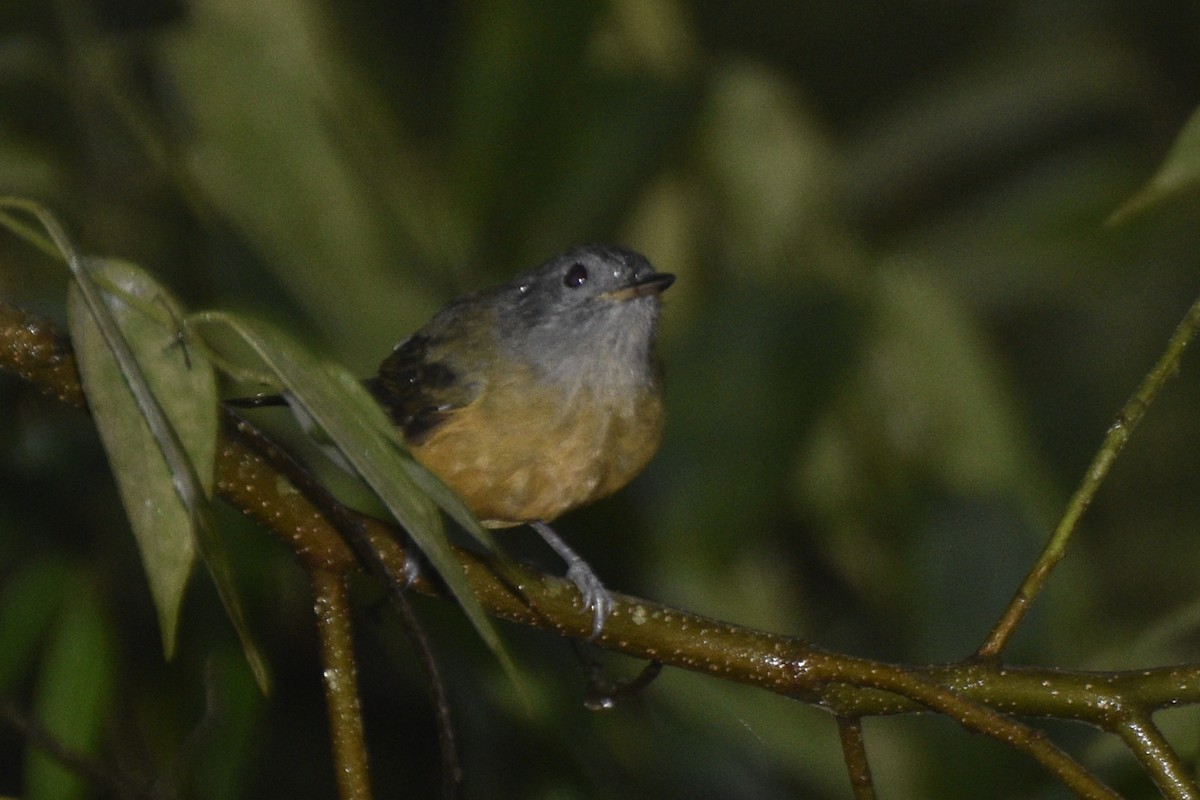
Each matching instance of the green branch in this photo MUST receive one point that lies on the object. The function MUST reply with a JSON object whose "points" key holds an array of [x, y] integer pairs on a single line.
{"points": [[1114, 442], [983, 696]]}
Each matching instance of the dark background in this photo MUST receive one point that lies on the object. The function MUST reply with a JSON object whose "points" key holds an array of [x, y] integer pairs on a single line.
{"points": [[900, 329]]}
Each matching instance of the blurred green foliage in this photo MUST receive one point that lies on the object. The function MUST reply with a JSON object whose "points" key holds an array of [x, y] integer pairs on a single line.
{"points": [[900, 329]]}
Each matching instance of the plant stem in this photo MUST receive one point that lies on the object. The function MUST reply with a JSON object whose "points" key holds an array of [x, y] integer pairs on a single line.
{"points": [[1114, 441]]}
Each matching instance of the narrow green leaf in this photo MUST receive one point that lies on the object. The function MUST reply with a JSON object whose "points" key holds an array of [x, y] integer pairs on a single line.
{"points": [[71, 700], [158, 473], [155, 408], [441, 494], [1179, 172], [183, 383], [338, 403], [92, 309]]}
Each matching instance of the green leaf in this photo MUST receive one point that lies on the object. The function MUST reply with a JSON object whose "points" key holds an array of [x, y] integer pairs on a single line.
{"points": [[71, 700], [1179, 172], [221, 765], [155, 406], [91, 317], [350, 417], [430, 484], [308, 145], [182, 381], [27, 608]]}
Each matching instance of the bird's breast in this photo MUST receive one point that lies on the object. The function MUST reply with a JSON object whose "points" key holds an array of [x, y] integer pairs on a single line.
{"points": [[525, 450]]}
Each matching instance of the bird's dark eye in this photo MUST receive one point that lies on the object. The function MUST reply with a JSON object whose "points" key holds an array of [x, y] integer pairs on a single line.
{"points": [[576, 276]]}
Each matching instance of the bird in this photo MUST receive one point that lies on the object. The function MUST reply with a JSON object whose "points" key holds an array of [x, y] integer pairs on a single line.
{"points": [[538, 396], [535, 397]]}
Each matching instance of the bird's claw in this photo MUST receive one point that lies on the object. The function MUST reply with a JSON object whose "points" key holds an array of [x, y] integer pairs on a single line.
{"points": [[593, 594], [592, 591]]}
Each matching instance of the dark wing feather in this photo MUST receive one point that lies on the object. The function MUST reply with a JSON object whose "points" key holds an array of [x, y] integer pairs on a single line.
{"points": [[417, 389]]}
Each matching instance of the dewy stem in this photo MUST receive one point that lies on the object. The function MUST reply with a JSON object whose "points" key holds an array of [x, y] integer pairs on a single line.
{"points": [[1114, 441], [332, 612]]}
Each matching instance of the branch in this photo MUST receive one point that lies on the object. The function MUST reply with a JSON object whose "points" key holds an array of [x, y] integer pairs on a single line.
{"points": [[854, 753], [980, 695], [341, 683], [1114, 442], [1159, 759]]}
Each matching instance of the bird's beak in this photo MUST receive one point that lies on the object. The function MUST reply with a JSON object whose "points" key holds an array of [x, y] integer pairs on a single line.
{"points": [[653, 284]]}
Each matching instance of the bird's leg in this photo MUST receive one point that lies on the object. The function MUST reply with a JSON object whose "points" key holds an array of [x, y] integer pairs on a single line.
{"points": [[595, 596]]}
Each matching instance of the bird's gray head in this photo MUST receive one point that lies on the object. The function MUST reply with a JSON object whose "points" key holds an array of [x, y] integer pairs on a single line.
{"points": [[593, 307]]}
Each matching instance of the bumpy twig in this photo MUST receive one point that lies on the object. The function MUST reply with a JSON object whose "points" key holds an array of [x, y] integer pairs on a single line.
{"points": [[854, 753], [1114, 441], [980, 695]]}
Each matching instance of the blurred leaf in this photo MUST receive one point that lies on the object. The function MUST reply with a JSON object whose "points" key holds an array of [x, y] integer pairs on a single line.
{"points": [[28, 603], [23, 229], [267, 143], [74, 689], [1179, 172], [578, 108], [235, 707], [183, 384], [942, 398], [620, 135], [539, 48], [337, 402], [769, 164], [929, 398]]}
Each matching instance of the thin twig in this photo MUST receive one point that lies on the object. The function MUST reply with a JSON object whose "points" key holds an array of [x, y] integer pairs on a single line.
{"points": [[351, 527], [971, 714], [332, 610], [1114, 441], [854, 753], [452, 773], [1157, 757]]}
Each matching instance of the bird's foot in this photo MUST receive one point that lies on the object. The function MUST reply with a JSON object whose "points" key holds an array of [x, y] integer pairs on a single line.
{"points": [[595, 597]]}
